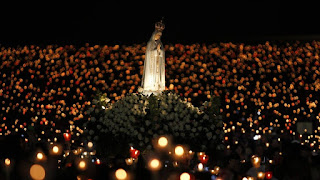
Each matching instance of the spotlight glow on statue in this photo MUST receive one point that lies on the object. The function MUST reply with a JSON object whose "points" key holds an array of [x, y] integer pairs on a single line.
{"points": [[153, 78]]}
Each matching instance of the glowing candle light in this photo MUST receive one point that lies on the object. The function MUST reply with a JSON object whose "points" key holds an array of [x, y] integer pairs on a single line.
{"points": [[268, 175], [129, 161], [256, 161], [154, 164], [7, 162], [134, 153], [185, 176], [67, 136], [90, 144], [179, 151], [270, 161], [162, 142], [55, 149], [98, 162], [191, 154], [204, 159], [200, 167], [82, 165], [217, 169], [121, 174], [40, 156], [260, 175], [37, 172]]}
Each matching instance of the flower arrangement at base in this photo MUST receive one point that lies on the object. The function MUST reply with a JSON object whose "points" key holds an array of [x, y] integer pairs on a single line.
{"points": [[136, 120]]}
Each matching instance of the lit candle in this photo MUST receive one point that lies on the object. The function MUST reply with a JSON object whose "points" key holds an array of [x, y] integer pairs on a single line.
{"points": [[179, 151], [200, 167], [39, 156], [134, 153], [67, 136], [155, 164], [7, 162], [204, 159], [162, 142]]}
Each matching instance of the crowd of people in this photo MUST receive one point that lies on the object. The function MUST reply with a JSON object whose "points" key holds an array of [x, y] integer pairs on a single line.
{"points": [[265, 88]]}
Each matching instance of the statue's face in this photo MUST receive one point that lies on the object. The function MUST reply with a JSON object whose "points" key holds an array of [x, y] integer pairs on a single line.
{"points": [[157, 36]]}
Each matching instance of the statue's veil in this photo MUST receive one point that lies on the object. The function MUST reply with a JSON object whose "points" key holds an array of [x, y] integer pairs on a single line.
{"points": [[151, 75]]}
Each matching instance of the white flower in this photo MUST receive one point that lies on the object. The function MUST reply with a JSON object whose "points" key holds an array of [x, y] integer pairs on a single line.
{"points": [[147, 122], [90, 110], [165, 127], [195, 123], [214, 137], [93, 119], [209, 135], [163, 112], [181, 127], [91, 132], [140, 143], [181, 115], [187, 118], [171, 117], [140, 89], [131, 118], [107, 100], [144, 110]]}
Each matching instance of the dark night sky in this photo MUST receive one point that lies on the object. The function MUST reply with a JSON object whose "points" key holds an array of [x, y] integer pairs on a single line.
{"points": [[105, 22]]}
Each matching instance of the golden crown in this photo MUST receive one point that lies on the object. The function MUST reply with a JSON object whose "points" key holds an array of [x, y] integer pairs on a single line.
{"points": [[159, 26]]}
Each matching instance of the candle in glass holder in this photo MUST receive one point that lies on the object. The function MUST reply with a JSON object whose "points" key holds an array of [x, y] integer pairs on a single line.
{"points": [[67, 136], [204, 159], [134, 153]]}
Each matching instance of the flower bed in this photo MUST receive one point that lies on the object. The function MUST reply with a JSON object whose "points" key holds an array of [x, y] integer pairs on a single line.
{"points": [[135, 120]]}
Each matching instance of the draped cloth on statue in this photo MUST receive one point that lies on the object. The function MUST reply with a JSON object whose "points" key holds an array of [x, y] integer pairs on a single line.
{"points": [[153, 78]]}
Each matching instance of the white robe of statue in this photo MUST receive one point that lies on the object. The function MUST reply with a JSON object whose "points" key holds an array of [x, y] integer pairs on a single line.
{"points": [[153, 79]]}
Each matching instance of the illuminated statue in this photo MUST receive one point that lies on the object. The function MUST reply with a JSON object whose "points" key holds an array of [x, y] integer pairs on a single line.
{"points": [[153, 78]]}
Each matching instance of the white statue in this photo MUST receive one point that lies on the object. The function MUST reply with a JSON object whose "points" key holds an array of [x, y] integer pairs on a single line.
{"points": [[153, 78]]}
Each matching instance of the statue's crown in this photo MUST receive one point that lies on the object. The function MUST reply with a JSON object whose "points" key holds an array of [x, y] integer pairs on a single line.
{"points": [[159, 26]]}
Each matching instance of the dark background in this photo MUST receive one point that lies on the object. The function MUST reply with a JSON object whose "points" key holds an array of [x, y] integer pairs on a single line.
{"points": [[107, 22]]}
